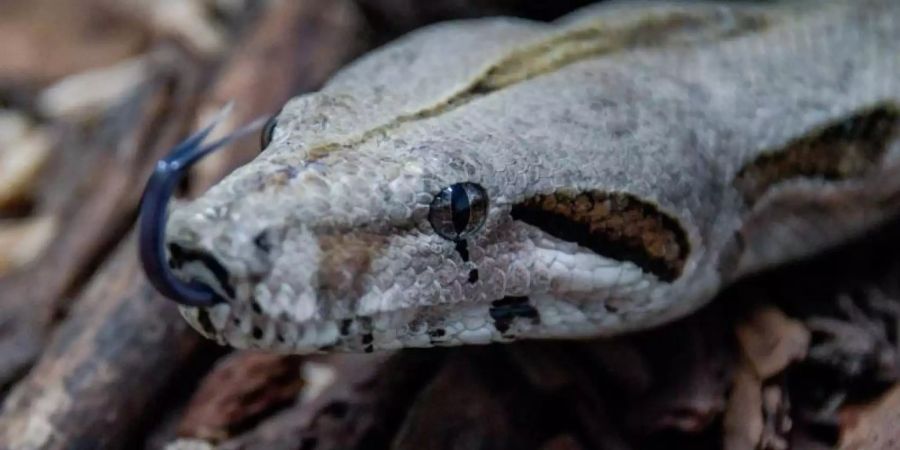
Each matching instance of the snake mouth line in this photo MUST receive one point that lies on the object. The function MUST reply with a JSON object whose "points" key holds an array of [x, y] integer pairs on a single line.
{"points": [[180, 256]]}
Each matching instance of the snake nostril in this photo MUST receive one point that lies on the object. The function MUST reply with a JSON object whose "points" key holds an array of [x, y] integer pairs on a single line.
{"points": [[176, 256]]}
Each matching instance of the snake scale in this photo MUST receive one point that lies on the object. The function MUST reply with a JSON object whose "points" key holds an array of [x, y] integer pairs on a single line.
{"points": [[499, 179]]}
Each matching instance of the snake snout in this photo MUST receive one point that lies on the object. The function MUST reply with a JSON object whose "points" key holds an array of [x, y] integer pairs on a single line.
{"points": [[152, 235], [181, 256]]}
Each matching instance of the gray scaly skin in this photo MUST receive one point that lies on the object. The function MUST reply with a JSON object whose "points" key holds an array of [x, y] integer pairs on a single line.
{"points": [[663, 122]]}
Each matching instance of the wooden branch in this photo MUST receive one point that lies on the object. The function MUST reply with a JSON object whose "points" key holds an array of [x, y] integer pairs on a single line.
{"points": [[94, 184], [242, 388], [362, 407], [105, 365]]}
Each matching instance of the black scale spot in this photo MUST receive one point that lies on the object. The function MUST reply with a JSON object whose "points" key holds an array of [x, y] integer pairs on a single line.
{"points": [[345, 326], [473, 275], [254, 305], [367, 339], [280, 337], [205, 322], [368, 349], [435, 335], [262, 242], [257, 333], [505, 310]]}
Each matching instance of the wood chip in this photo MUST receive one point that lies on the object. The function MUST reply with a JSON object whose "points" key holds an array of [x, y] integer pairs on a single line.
{"points": [[24, 151], [777, 419], [771, 341], [190, 21], [23, 240], [360, 406], [743, 423], [84, 95]]}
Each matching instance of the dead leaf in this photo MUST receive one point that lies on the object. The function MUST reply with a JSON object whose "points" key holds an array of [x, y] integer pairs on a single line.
{"points": [[873, 426], [86, 94], [23, 240], [24, 150], [189, 444]]}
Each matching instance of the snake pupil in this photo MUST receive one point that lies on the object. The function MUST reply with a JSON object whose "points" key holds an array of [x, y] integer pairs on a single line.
{"points": [[458, 211], [459, 207]]}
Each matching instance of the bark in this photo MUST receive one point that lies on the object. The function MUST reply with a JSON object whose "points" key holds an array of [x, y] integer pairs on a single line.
{"points": [[104, 366], [94, 184]]}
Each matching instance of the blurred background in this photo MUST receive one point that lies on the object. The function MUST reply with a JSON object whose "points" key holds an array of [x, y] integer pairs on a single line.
{"points": [[94, 92]]}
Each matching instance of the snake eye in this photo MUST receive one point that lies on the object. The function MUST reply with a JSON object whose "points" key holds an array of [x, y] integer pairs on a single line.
{"points": [[458, 211], [265, 136]]}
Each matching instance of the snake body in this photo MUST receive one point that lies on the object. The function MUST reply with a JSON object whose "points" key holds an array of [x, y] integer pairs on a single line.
{"points": [[500, 179]]}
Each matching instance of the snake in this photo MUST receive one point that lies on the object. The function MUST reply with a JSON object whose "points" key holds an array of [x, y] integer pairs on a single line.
{"points": [[498, 179]]}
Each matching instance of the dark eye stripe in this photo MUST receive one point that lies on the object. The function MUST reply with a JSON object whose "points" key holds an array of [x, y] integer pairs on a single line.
{"points": [[615, 225], [844, 149]]}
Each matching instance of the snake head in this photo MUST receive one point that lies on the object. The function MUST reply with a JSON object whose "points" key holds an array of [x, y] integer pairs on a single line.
{"points": [[500, 179], [412, 241]]}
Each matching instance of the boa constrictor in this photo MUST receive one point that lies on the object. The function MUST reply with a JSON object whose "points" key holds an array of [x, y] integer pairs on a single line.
{"points": [[499, 179]]}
